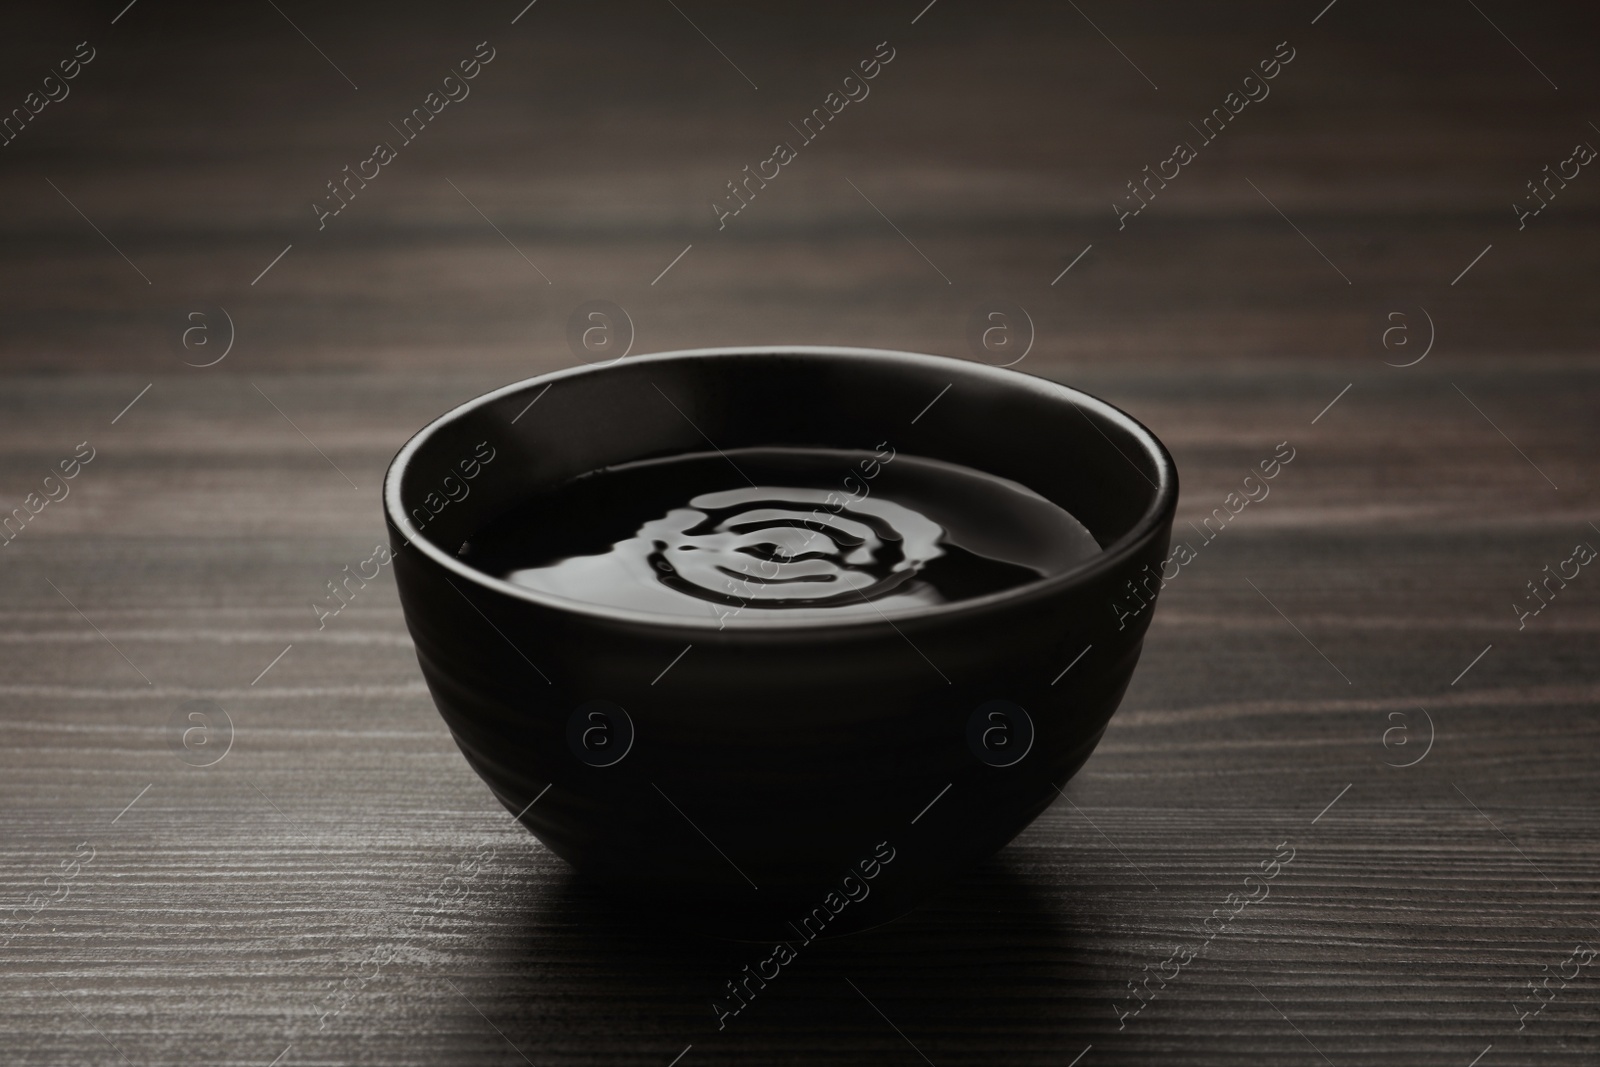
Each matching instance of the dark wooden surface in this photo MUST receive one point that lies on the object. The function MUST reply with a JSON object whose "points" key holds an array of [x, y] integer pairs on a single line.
{"points": [[230, 910]]}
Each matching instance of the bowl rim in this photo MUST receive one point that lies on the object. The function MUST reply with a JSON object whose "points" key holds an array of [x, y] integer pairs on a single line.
{"points": [[1162, 504]]}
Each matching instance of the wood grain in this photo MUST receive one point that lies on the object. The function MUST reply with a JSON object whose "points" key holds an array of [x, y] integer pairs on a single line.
{"points": [[285, 902]]}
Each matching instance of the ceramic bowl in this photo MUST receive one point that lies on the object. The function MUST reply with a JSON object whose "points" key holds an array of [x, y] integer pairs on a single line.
{"points": [[773, 776]]}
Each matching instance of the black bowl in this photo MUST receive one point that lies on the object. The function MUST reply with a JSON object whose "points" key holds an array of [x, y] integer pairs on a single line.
{"points": [[778, 776]]}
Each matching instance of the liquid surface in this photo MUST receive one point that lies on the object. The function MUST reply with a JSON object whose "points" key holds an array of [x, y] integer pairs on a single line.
{"points": [[763, 534]]}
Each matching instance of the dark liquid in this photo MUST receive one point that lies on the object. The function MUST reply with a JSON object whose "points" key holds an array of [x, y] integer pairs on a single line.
{"points": [[820, 531]]}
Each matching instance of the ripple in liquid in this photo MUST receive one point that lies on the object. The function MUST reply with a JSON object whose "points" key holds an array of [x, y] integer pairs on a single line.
{"points": [[821, 531]]}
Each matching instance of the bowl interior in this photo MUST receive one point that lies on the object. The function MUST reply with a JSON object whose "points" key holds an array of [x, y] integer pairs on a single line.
{"points": [[525, 439]]}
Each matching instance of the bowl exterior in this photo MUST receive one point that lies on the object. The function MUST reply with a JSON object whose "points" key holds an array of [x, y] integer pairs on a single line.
{"points": [[758, 770]]}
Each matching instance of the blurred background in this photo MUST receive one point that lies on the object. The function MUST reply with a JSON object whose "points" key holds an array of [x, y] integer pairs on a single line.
{"points": [[1355, 264]]}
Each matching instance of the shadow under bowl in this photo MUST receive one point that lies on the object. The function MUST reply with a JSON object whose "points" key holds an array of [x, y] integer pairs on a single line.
{"points": [[786, 777]]}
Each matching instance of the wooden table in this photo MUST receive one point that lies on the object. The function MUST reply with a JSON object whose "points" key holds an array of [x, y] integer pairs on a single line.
{"points": [[285, 901]]}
